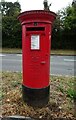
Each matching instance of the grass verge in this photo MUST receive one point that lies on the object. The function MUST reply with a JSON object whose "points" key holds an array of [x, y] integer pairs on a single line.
{"points": [[63, 52], [11, 50], [61, 102], [56, 52]]}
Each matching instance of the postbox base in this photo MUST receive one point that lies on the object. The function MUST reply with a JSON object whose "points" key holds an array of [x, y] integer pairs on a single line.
{"points": [[36, 97]]}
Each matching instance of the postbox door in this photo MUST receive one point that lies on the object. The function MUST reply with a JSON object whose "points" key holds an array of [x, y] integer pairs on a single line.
{"points": [[37, 60]]}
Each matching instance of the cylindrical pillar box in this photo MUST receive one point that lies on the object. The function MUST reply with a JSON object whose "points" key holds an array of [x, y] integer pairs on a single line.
{"points": [[36, 45]]}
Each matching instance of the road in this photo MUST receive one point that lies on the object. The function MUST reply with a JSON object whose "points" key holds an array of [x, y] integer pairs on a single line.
{"points": [[59, 65]]}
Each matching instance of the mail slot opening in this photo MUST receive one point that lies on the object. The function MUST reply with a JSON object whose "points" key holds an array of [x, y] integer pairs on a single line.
{"points": [[35, 28]]}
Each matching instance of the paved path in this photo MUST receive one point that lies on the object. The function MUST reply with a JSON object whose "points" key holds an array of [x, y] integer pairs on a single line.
{"points": [[59, 65]]}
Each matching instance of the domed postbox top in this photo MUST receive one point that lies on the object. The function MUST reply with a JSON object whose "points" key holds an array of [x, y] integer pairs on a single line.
{"points": [[36, 16]]}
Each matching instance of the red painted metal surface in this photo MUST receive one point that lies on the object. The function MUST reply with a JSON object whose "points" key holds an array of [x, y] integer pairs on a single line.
{"points": [[36, 45]]}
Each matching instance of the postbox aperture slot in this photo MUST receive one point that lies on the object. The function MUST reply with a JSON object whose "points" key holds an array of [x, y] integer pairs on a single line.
{"points": [[35, 28], [35, 42]]}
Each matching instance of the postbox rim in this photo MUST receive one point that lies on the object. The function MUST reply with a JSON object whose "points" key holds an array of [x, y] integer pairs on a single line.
{"points": [[36, 12]]}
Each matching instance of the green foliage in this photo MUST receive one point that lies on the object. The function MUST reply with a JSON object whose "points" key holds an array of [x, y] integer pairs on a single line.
{"points": [[67, 87], [10, 9], [56, 33], [70, 18], [64, 29], [71, 93], [63, 33], [11, 28]]}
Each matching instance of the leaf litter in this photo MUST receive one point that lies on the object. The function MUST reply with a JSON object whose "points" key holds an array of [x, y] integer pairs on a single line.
{"points": [[59, 105]]}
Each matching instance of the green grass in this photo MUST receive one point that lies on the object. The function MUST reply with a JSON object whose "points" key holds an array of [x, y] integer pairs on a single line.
{"points": [[57, 52], [62, 95], [11, 50], [71, 93], [66, 85], [63, 52]]}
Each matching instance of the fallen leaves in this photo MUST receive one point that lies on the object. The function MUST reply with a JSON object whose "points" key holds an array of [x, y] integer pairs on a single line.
{"points": [[59, 105]]}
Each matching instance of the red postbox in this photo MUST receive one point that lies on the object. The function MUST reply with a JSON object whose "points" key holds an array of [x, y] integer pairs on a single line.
{"points": [[36, 45]]}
